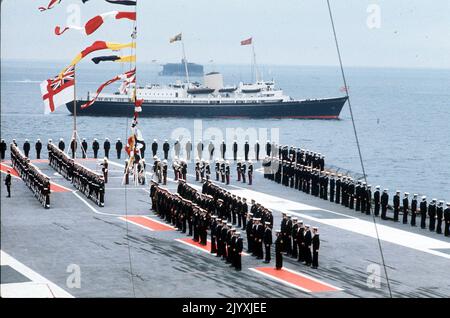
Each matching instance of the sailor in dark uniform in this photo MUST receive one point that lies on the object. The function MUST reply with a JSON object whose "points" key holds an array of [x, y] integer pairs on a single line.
{"points": [[84, 147], [106, 147], [211, 150], [227, 172], [95, 147], [217, 169], [73, 147], [26, 148], [250, 172], [332, 187], [301, 241], [3, 148], [447, 220], [200, 149], [287, 237], [278, 250], [384, 203], [432, 215], [396, 201], [294, 231], [223, 149], [267, 241], [413, 210], [377, 200], [368, 199], [257, 150], [8, 183], [268, 148], [423, 212], [338, 189], [235, 150], [439, 216], [249, 232], [308, 242], [244, 213], [259, 239], [238, 170], [38, 147], [207, 170], [358, 196], [405, 208], [243, 171], [238, 247], [119, 147], [155, 147], [104, 165], [246, 150], [166, 148], [61, 144], [142, 150], [188, 148], [315, 247], [164, 171]]}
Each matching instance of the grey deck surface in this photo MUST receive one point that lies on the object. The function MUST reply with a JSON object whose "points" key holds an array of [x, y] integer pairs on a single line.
{"points": [[48, 241]]}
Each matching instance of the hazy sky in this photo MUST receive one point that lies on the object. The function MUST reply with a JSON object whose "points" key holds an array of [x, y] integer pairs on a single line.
{"points": [[412, 33]]}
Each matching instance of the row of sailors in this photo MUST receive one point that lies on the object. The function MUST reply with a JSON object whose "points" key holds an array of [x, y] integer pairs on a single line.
{"points": [[357, 195], [88, 182], [38, 182], [293, 154], [195, 218], [73, 147]]}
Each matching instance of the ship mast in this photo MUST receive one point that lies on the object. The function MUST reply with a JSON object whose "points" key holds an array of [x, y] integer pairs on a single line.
{"points": [[255, 66], [185, 61]]}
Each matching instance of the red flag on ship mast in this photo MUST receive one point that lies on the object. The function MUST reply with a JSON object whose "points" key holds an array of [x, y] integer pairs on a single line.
{"points": [[246, 42]]}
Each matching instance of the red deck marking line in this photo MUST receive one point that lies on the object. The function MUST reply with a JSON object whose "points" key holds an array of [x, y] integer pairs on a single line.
{"points": [[54, 187], [295, 279], [146, 223], [189, 241], [4, 168], [205, 248]]}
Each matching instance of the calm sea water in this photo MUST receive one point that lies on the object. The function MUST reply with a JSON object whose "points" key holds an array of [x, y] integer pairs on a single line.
{"points": [[402, 117]]}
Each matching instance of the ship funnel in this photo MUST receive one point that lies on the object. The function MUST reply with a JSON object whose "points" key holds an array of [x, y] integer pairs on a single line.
{"points": [[213, 80]]}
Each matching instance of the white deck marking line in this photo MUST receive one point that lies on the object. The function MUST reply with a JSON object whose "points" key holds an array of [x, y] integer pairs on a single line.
{"points": [[123, 218], [94, 209], [280, 280], [38, 287], [388, 234], [157, 221], [312, 278], [192, 245]]}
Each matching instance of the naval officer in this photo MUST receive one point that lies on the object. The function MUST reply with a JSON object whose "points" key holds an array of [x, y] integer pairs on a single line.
{"points": [[84, 147], [315, 247], [119, 147], [423, 212], [432, 215], [95, 147], [106, 147], [384, 203], [396, 201], [405, 208], [235, 150], [188, 148], [257, 150], [278, 250], [61, 144], [166, 148], [73, 147], [414, 209], [8, 183], [246, 150], [211, 150], [267, 241], [26, 148], [154, 147], [3, 148], [439, 216], [447, 220], [38, 147], [223, 149]]}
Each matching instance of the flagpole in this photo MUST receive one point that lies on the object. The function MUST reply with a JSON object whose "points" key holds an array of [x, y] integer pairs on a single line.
{"points": [[185, 61]]}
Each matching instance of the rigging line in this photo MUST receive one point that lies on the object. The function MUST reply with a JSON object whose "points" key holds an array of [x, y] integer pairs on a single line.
{"points": [[126, 167], [357, 142]]}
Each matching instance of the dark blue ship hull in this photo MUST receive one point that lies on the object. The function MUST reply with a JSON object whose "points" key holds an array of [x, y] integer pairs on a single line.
{"points": [[328, 108]]}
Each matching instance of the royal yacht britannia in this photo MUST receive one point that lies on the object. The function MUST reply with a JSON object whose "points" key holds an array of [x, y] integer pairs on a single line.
{"points": [[261, 99]]}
